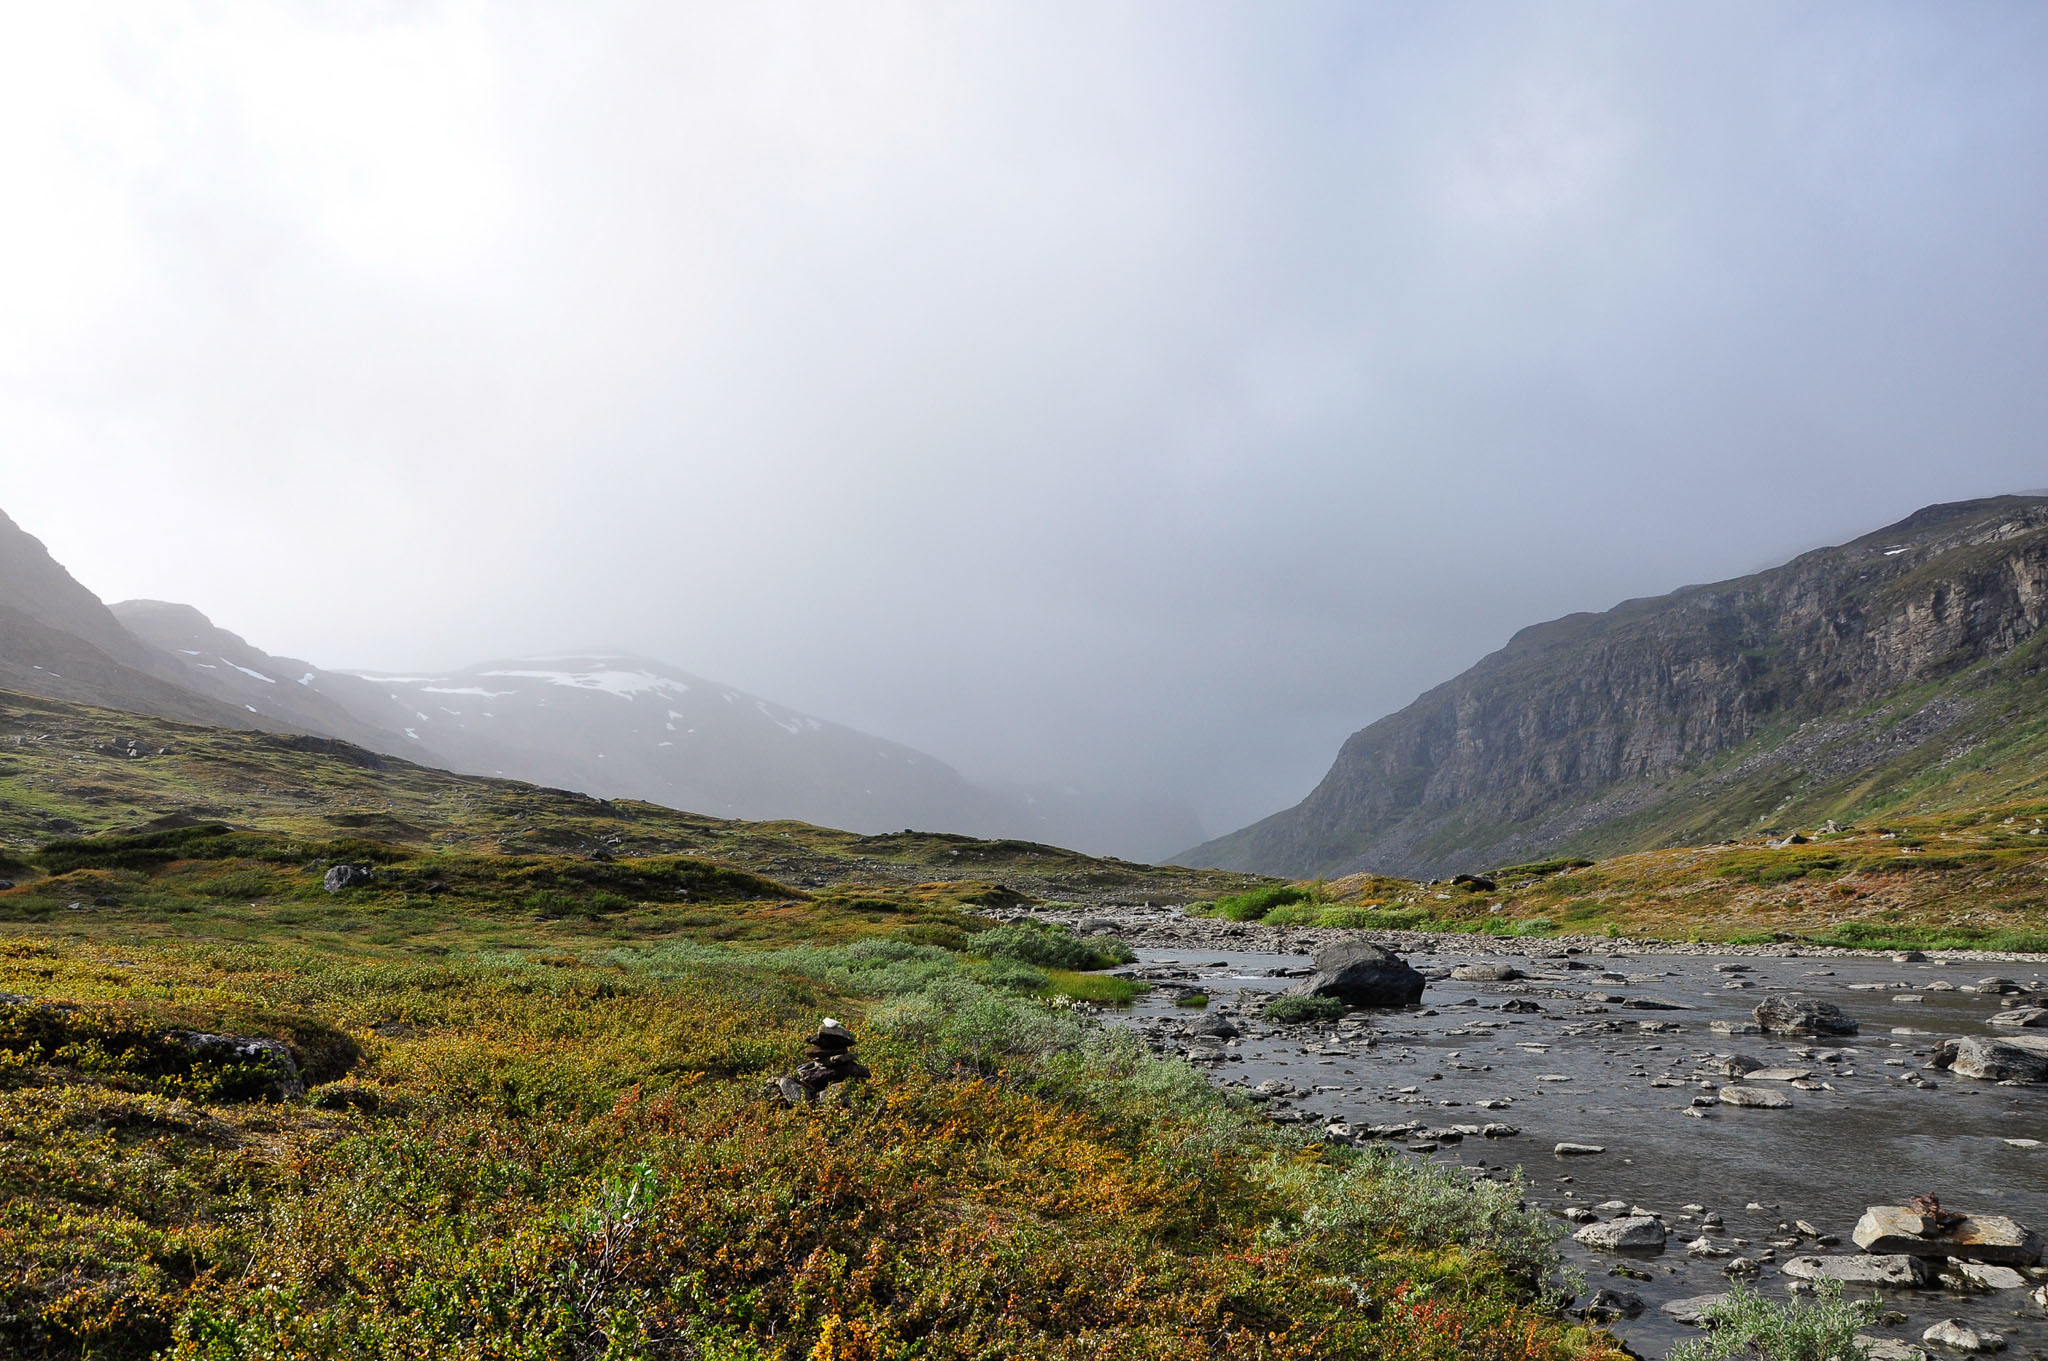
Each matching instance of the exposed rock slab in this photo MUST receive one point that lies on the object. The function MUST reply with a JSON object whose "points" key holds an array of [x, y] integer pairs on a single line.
{"points": [[1756, 1098], [1893, 1229], [1891, 1269]]}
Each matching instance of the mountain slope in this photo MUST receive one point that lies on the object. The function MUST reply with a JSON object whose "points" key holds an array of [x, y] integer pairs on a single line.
{"points": [[58, 640], [1901, 670], [614, 726]]}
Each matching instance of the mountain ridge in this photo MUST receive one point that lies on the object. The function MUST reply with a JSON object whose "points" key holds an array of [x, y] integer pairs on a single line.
{"points": [[1821, 686]]}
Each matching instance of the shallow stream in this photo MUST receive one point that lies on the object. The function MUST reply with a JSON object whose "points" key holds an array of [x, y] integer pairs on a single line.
{"points": [[1600, 1064]]}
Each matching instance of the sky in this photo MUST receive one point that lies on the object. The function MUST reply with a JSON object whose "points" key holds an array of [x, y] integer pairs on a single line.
{"points": [[1139, 395]]}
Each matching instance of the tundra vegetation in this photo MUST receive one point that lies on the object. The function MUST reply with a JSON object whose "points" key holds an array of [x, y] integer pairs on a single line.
{"points": [[1975, 879], [527, 1113]]}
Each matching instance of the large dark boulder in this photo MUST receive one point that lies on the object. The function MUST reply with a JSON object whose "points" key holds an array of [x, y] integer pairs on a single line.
{"points": [[1360, 974], [1792, 1015]]}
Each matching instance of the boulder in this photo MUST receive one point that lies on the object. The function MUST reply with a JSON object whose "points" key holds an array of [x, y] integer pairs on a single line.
{"points": [[1757, 1098], [275, 1055], [1959, 1336], [1893, 1229], [2021, 1058], [1360, 974], [1894, 1269], [339, 877], [2020, 1018], [1636, 1233], [1486, 973], [1571, 1150], [1796, 1015]]}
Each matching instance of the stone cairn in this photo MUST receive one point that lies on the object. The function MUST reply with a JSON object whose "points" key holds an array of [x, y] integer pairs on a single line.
{"points": [[828, 1059]]}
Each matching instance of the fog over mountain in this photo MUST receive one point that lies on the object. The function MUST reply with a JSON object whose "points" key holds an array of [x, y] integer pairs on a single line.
{"points": [[1132, 398]]}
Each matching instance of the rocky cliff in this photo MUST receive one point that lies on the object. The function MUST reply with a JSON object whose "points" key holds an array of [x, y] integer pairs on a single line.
{"points": [[1902, 668]]}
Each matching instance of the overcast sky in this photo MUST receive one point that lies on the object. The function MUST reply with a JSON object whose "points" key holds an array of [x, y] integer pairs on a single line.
{"points": [[1148, 395]]}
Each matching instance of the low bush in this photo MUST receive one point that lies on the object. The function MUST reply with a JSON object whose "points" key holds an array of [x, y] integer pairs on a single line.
{"points": [[1253, 904], [1293, 1008], [1050, 947], [1747, 1327]]}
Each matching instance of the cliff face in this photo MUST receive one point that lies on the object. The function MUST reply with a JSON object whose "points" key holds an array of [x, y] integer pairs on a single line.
{"points": [[1843, 678]]}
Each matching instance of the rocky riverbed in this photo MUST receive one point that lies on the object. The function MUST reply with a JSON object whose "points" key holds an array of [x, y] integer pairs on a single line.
{"points": [[1645, 1108]]}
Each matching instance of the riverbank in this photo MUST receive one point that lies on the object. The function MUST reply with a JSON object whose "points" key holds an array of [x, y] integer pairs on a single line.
{"points": [[1167, 927], [1619, 1053]]}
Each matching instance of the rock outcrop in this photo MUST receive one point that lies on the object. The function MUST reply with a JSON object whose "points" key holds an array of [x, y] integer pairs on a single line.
{"points": [[1674, 720]]}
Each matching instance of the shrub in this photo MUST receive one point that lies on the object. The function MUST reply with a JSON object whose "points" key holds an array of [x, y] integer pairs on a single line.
{"points": [[1253, 904], [1752, 1328], [1292, 1008], [1050, 948], [1385, 1196]]}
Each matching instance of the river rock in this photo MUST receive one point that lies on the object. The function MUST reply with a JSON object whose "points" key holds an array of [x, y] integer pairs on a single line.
{"points": [[2021, 1058], [1609, 1304], [1979, 1238], [1796, 1015], [1487, 973], [1360, 974], [1692, 1310], [2020, 1018], [1636, 1233], [1571, 1150], [1894, 1269], [1890, 1349], [1959, 1336], [1757, 1098], [1990, 1277]]}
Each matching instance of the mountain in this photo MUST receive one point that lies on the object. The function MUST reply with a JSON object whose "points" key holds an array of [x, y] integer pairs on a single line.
{"points": [[617, 726], [1901, 672], [631, 727], [614, 726], [57, 640]]}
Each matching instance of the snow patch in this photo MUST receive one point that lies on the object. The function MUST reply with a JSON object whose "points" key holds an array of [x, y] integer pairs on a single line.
{"points": [[624, 684], [465, 690], [788, 725], [247, 672]]}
